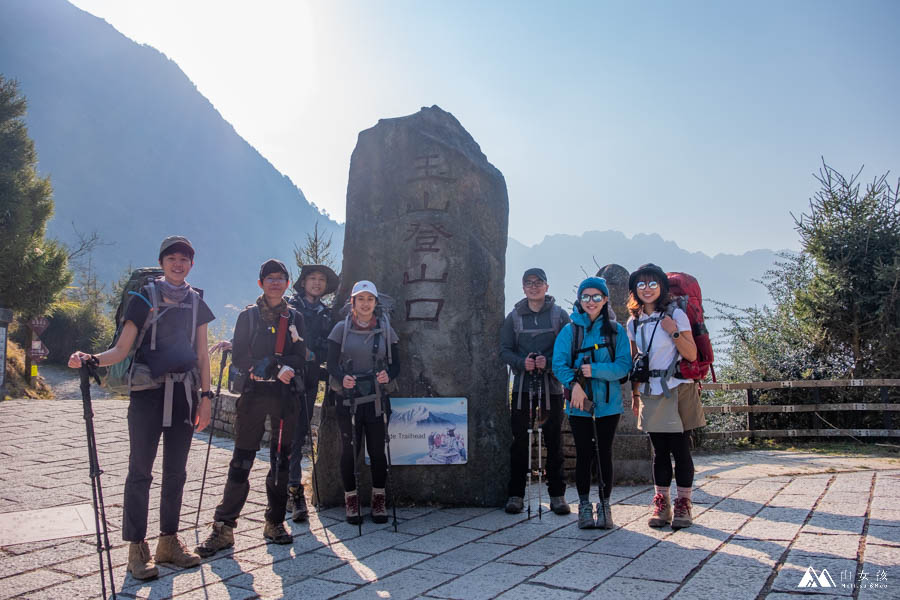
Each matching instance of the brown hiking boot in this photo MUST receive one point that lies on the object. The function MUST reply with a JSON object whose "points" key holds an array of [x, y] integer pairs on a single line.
{"points": [[220, 537], [379, 506], [276, 533], [661, 514], [140, 564], [351, 500], [299, 511], [682, 514], [171, 550]]}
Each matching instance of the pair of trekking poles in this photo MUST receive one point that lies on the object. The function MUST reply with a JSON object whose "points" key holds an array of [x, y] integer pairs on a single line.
{"points": [[349, 398], [601, 487], [305, 408]]}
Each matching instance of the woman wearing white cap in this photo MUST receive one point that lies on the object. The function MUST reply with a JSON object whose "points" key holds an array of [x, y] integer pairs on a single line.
{"points": [[362, 353]]}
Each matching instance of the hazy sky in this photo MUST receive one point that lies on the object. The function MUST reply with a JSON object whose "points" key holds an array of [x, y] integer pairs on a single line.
{"points": [[700, 121]]}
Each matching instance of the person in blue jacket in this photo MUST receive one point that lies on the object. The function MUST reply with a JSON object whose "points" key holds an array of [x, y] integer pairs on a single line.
{"points": [[591, 371]]}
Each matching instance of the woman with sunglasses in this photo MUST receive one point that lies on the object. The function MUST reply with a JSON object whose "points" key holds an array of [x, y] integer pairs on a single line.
{"points": [[660, 333], [590, 356]]}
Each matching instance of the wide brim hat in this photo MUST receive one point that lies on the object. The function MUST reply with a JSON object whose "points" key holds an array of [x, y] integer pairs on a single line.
{"points": [[331, 278], [648, 268]]}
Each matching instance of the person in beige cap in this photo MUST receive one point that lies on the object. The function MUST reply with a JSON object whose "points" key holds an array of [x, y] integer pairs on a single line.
{"points": [[170, 347]]}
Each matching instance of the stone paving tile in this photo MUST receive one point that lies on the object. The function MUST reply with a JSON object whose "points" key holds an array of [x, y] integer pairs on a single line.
{"points": [[582, 571], [432, 522], [443, 540], [494, 520], [628, 542], [883, 516], [374, 567], [697, 537], [807, 486], [794, 567], [802, 595], [545, 551], [838, 546], [261, 553], [26, 582], [527, 591], [366, 545], [525, 533], [721, 520], [474, 556], [741, 553], [834, 524], [714, 582], [411, 583], [624, 588], [884, 557], [765, 529], [87, 564], [664, 564], [66, 551], [485, 582], [84, 588], [883, 535], [310, 588]]}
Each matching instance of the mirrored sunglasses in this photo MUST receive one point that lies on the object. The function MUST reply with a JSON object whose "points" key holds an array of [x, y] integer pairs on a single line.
{"points": [[647, 284], [595, 298]]}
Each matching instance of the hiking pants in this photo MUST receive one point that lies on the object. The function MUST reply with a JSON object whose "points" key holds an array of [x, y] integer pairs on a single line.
{"points": [[253, 407], [550, 436], [672, 445], [145, 416], [586, 454], [304, 420], [370, 426]]}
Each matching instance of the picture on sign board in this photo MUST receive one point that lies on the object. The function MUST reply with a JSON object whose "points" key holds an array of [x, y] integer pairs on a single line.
{"points": [[429, 431]]}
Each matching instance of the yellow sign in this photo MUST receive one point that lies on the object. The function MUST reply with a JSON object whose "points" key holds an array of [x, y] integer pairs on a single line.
{"points": [[34, 372]]}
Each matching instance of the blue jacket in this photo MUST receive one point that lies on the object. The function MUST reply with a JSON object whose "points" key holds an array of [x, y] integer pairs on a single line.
{"points": [[602, 368]]}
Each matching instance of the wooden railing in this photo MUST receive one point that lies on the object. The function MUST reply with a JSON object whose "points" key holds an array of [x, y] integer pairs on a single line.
{"points": [[753, 408]]}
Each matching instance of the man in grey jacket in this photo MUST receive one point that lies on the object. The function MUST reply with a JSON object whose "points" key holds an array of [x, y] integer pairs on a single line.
{"points": [[526, 345]]}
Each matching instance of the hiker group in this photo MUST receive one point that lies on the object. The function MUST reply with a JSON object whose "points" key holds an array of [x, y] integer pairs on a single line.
{"points": [[281, 349]]}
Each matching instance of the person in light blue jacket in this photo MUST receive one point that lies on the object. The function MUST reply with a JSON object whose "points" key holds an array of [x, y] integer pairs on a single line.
{"points": [[590, 357]]}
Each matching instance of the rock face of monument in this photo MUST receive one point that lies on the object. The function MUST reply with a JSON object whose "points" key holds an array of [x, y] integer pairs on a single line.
{"points": [[427, 219]]}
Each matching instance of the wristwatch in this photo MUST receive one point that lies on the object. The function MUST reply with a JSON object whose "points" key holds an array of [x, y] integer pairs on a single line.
{"points": [[206, 394], [676, 335]]}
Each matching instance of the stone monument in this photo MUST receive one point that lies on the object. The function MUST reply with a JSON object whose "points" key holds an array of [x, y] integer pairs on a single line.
{"points": [[427, 218]]}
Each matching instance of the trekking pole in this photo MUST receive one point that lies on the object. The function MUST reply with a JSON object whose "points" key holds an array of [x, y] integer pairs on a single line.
{"points": [[601, 488], [540, 430], [308, 407], [387, 443], [348, 397], [211, 428], [530, 432], [87, 371]]}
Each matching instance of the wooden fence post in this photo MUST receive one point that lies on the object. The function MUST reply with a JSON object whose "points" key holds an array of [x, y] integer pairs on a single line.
{"points": [[886, 416], [751, 401]]}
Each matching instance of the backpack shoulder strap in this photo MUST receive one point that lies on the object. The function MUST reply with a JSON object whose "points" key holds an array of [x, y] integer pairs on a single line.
{"points": [[556, 318], [577, 340], [154, 311], [195, 307], [517, 324], [254, 323]]}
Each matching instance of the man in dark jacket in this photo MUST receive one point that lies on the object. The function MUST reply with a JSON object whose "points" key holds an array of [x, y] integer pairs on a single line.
{"points": [[268, 346], [526, 345], [315, 281]]}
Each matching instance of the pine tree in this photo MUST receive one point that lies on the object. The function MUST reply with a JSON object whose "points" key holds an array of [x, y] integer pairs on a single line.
{"points": [[33, 270], [316, 250]]}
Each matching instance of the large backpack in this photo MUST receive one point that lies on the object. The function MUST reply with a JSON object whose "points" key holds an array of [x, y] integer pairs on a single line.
{"points": [[237, 379], [140, 287], [685, 293]]}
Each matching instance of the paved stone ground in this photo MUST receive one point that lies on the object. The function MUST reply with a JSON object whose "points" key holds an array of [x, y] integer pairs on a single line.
{"points": [[762, 519]]}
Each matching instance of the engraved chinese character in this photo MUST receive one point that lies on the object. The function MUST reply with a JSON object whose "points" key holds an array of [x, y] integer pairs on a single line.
{"points": [[423, 278], [426, 236]]}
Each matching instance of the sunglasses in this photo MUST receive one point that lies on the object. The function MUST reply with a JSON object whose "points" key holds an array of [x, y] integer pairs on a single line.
{"points": [[275, 280], [647, 284], [595, 298]]}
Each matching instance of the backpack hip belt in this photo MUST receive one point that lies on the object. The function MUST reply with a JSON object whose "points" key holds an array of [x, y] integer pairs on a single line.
{"points": [[189, 390]]}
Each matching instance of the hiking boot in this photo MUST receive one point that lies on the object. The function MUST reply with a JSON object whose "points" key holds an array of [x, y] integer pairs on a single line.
{"points": [[140, 564], [277, 534], [682, 514], [604, 515], [170, 549], [585, 515], [559, 505], [379, 506], [661, 514], [351, 501], [299, 511], [220, 537], [515, 505]]}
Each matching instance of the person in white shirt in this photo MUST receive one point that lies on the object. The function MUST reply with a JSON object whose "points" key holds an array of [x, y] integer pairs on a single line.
{"points": [[667, 407]]}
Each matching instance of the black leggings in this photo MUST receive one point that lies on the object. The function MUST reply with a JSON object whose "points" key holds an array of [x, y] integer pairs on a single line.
{"points": [[586, 455], [373, 428], [677, 445]]}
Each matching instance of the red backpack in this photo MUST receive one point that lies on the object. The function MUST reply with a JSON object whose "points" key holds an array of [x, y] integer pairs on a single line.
{"points": [[685, 293]]}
